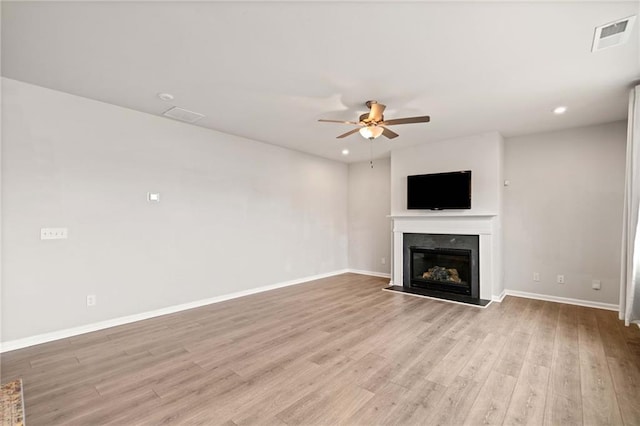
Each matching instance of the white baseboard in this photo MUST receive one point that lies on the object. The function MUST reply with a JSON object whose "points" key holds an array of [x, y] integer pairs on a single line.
{"points": [[568, 301], [370, 273], [12, 345], [500, 297]]}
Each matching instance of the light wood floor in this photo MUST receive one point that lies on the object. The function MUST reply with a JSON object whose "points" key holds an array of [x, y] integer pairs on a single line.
{"points": [[341, 351]]}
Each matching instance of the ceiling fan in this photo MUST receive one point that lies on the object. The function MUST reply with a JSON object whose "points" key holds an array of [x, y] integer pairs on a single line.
{"points": [[372, 125]]}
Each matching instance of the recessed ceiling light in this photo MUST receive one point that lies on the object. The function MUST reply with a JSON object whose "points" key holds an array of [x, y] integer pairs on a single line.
{"points": [[165, 96], [560, 110], [345, 152]]}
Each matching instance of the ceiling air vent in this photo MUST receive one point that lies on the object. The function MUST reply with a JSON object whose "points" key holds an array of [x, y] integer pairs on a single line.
{"points": [[182, 115], [613, 33]]}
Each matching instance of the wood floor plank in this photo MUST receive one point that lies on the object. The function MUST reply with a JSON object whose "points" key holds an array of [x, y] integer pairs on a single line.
{"points": [[340, 351], [511, 309], [416, 368], [63, 405], [513, 354], [564, 398], [599, 402], [481, 362], [529, 396], [626, 380], [631, 336], [560, 410], [613, 341], [491, 404], [565, 369], [455, 404], [460, 327], [527, 320], [329, 405], [296, 382], [445, 371], [418, 404], [540, 350], [380, 409]]}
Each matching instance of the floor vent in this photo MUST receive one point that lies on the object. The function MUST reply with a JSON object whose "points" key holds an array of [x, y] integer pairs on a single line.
{"points": [[182, 115], [613, 33]]}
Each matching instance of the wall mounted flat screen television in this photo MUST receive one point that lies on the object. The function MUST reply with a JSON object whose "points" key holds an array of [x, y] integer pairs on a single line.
{"points": [[439, 191]]}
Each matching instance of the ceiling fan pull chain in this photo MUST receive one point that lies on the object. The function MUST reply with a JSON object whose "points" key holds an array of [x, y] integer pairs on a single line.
{"points": [[371, 152]]}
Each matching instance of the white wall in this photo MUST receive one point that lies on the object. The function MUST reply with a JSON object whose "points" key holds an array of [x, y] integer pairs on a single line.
{"points": [[234, 214], [479, 153], [369, 226], [563, 211]]}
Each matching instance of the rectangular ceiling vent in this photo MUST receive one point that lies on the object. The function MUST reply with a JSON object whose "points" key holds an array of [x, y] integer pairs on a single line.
{"points": [[613, 33], [182, 115]]}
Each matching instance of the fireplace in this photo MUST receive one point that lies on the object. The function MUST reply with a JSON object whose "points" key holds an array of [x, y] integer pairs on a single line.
{"points": [[442, 264], [441, 269], [449, 231]]}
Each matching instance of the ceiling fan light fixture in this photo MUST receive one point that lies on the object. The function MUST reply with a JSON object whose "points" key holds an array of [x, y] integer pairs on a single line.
{"points": [[373, 125], [371, 132]]}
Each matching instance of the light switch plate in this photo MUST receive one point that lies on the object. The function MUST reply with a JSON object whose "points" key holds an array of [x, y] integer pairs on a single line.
{"points": [[53, 233], [153, 197]]}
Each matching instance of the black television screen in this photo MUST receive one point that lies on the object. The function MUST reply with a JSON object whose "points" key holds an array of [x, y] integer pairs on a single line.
{"points": [[439, 191]]}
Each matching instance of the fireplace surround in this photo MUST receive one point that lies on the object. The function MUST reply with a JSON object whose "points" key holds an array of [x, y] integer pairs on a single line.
{"points": [[448, 231]]}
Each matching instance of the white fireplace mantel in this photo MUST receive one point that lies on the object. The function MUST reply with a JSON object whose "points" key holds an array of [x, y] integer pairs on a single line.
{"points": [[485, 225], [444, 213]]}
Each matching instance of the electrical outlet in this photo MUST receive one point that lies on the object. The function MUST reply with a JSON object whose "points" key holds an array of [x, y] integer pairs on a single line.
{"points": [[53, 233], [383, 261], [536, 276], [91, 300], [595, 284], [560, 279]]}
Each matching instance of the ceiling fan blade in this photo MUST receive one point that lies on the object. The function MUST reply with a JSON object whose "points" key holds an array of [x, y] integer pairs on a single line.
{"points": [[376, 112], [408, 120], [338, 121], [349, 133], [388, 133]]}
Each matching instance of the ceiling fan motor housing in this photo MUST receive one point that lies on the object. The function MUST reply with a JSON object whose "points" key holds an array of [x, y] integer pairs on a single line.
{"points": [[364, 118]]}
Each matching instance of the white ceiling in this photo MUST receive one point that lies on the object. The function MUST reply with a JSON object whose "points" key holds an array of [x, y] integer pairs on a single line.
{"points": [[268, 71]]}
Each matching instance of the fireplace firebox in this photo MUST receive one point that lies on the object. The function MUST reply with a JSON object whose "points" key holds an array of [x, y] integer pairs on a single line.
{"points": [[440, 265], [441, 269]]}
